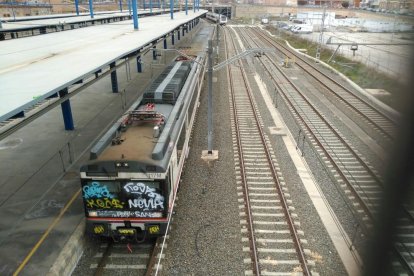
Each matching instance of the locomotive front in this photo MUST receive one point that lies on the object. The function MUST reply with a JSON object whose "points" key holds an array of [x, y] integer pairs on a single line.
{"points": [[120, 208]]}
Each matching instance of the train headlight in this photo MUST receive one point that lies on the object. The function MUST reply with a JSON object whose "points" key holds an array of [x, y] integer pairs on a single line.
{"points": [[98, 229], [121, 165], [154, 229], [93, 213]]}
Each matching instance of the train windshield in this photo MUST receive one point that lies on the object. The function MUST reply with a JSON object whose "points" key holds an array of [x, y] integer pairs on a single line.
{"points": [[119, 199]]}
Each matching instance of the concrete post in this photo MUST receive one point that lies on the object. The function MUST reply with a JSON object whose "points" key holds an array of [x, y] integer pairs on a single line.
{"points": [[135, 14]]}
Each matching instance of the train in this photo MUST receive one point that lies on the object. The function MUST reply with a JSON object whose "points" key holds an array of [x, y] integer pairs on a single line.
{"points": [[131, 178], [217, 18]]}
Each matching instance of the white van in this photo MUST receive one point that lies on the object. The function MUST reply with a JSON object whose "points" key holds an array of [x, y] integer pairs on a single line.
{"points": [[303, 29], [265, 21]]}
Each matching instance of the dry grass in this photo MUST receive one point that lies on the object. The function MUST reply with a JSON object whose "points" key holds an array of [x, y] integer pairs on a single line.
{"points": [[362, 75]]}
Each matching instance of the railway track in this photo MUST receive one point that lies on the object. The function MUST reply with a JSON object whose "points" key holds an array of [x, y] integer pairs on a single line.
{"points": [[360, 182], [365, 114], [125, 259], [269, 226], [348, 167]]}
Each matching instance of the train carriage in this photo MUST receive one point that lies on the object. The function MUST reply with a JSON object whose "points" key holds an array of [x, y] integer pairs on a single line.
{"points": [[129, 184], [217, 18]]}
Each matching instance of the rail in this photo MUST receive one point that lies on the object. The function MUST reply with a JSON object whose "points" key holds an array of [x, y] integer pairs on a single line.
{"points": [[359, 112], [405, 263], [285, 208], [256, 267]]}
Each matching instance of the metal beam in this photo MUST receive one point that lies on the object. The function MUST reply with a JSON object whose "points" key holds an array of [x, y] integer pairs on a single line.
{"points": [[135, 14], [77, 7], [154, 52], [210, 99], [328, 42], [91, 8], [114, 79], [242, 55], [66, 110], [139, 64]]}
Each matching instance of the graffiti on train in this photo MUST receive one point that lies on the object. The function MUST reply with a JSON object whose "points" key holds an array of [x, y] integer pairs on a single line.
{"points": [[96, 190], [147, 198], [105, 203]]}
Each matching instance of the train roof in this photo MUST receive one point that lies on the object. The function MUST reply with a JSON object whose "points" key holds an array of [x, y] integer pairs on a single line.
{"points": [[137, 141], [146, 133]]}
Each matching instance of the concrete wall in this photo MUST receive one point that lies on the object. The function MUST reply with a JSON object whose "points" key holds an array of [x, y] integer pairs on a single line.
{"points": [[247, 11], [256, 11]]}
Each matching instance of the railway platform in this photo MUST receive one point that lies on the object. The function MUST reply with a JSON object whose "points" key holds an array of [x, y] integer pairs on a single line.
{"points": [[40, 204]]}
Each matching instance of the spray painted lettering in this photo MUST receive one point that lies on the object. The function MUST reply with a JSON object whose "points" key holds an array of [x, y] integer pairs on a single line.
{"points": [[138, 188], [104, 203], [146, 204], [96, 190], [129, 214], [148, 199]]}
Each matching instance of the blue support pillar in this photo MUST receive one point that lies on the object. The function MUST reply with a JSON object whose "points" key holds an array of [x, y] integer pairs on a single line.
{"points": [[154, 53], [120, 5], [172, 9], [66, 111], [172, 38], [129, 7], [114, 79], [91, 8], [165, 43], [184, 31], [139, 64], [77, 7], [135, 14], [144, 5], [178, 34], [194, 5], [186, 7], [18, 115], [150, 6]]}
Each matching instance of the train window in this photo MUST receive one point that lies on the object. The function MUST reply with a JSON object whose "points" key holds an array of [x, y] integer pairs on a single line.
{"points": [[193, 102], [180, 143]]}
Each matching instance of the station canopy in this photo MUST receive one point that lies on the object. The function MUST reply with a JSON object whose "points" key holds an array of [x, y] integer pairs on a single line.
{"points": [[34, 68]]}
